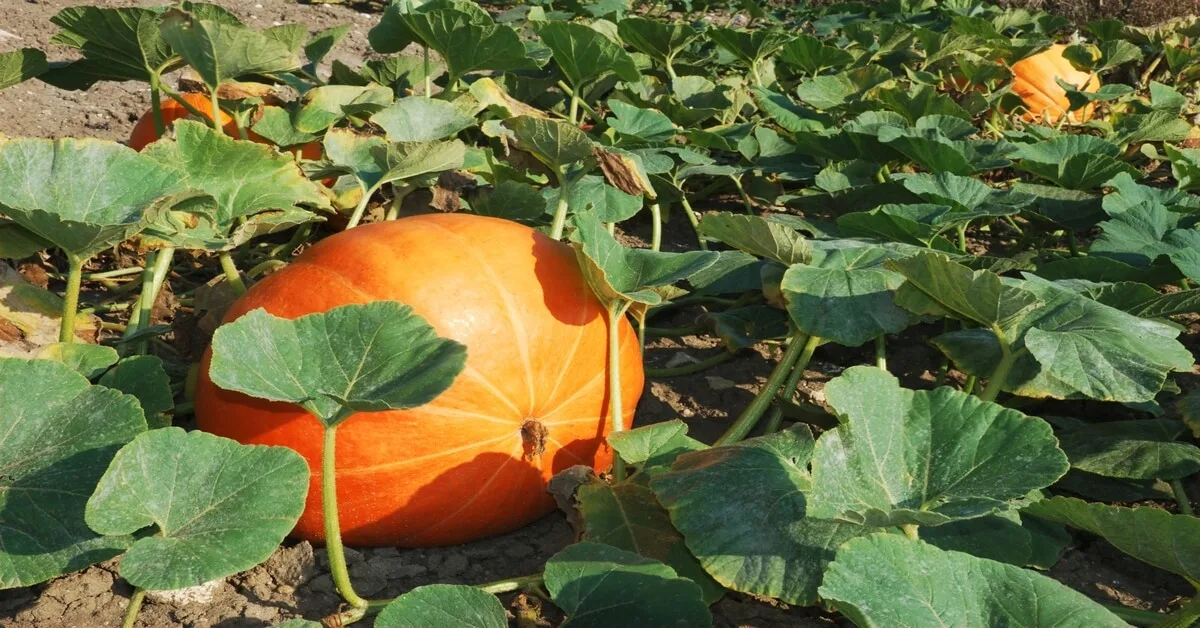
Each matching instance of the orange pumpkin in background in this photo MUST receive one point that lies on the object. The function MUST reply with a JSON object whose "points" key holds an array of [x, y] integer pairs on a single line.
{"points": [[531, 401], [1045, 100], [143, 132]]}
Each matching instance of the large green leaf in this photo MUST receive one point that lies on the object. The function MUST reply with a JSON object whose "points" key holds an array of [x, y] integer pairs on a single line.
{"points": [[741, 509], [378, 356], [60, 434], [233, 208], [919, 224], [21, 65], [758, 236], [653, 448], [812, 55], [628, 516], [750, 46], [466, 40], [443, 605], [1167, 541], [117, 45], [658, 39], [647, 125], [925, 457], [82, 195], [583, 54], [1075, 162], [1143, 233], [845, 295], [143, 377], [555, 143], [829, 91], [327, 105], [887, 580], [394, 31], [609, 203], [618, 273], [417, 119], [978, 296], [932, 148], [220, 507], [602, 586], [1139, 450], [220, 51], [86, 359]]}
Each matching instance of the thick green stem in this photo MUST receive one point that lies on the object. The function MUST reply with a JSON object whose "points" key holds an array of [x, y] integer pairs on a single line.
{"points": [[428, 79], [158, 276], [582, 102], [573, 115], [655, 226], [135, 319], [775, 416], [1000, 373], [798, 355], [393, 212], [674, 331], [215, 119], [333, 530], [693, 219], [560, 208], [160, 127], [737, 182], [135, 605], [962, 238], [969, 385], [231, 273], [1181, 497], [881, 352], [509, 585], [616, 411], [942, 372], [361, 209], [66, 331], [690, 369], [909, 530], [1072, 244]]}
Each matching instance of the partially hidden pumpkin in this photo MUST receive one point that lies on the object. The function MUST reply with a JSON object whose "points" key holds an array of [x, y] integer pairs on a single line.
{"points": [[531, 401], [144, 133], [1046, 101]]}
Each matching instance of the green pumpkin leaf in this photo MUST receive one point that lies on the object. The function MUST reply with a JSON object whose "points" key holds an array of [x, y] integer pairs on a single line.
{"points": [[741, 509], [1157, 537], [513, 200], [1139, 450], [657, 39], [845, 295], [354, 358], [749, 46], [466, 40], [327, 105], [830, 91], [977, 296], [443, 605], [117, 45], [276, 126], [609, 203], [267, 182], [220, 507], [61, 433], [83, 196], [601, 586], [418, 119], [812, 55], [887, 580], [583, 54], [220, 51], [1075, 162], [620, 274], [143, 377], [743, 327], [21, 65], [758, 236], [627, 516], [647, 125], [86, 359], [653, 448], [394, 31], [555, 143], [994, 537], [877, 467], [1156, 126]]}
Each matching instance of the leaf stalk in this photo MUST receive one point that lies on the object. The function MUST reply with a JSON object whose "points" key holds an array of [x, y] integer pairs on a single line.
{"points": [[66, 331], [333, 530], [797, 355]]}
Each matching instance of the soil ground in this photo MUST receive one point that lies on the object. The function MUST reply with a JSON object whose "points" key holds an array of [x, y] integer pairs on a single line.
{"points": [[295, 582]]}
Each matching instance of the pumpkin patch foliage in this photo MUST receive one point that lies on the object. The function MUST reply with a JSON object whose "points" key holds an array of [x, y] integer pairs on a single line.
{"points": [[408, 304]]}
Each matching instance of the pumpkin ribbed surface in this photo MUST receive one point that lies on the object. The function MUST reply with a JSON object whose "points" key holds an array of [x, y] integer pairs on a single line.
{"points": [[531, 401], [1033, 81]]}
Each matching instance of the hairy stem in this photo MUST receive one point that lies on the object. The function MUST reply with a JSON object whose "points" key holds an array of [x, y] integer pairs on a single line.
{"points": [[616, 312], [655, 226], [693, 219], [1181, 497], [231, 273], [215, 118], [361, 208], [689, 369], [428, 80], [66, 331], [775, 416], [149, 296], [135, 605], [560, 208], [797, 355], [1000, 373], [333, 530], [160, 127], [511, 584], [909, 530], [393, 212], [881, 352]]}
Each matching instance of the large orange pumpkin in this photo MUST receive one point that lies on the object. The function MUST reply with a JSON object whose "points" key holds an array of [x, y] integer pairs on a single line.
{"points": [[1045, 100], [143, 132], [531, 401]]}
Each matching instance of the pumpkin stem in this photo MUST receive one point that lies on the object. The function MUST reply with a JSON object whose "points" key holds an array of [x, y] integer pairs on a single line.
{"points": [[534, 435], [333, 531]]}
